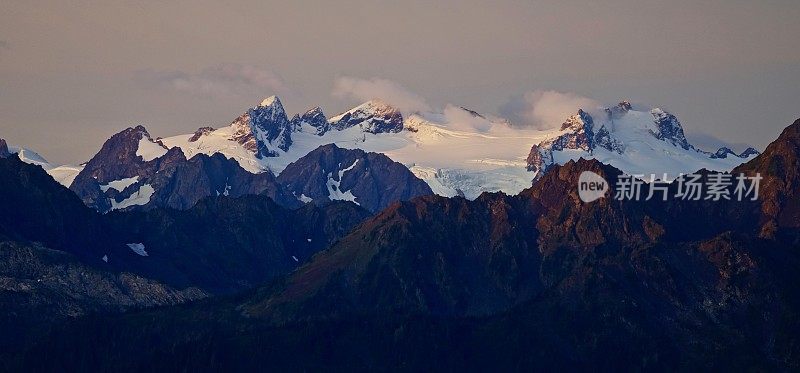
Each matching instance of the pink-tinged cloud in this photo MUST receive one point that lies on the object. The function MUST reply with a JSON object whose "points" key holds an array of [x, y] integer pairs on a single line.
{"points": [[546, 109], [361, 90]]}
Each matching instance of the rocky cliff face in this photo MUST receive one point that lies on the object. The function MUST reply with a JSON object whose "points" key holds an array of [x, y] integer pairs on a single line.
{"points": [[779, 166], [180, 183], [132, 171], [669, 129], [118, 159], [264, 128], [370, 180]]}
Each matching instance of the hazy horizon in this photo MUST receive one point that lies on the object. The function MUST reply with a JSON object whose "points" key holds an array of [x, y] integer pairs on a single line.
{"points": [[73, 73]]}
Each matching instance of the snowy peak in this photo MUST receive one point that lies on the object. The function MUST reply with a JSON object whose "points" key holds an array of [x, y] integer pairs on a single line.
{"points": [[263, 129], [64, 175], [202, 131], [619, 110], [581, 121], [577, 133], [314, 118], [270, 101], [373, 116], [123, 155], [270, 123], [723, 152], [29, 156], [747, 153], [669, 129], [129, 154], [638, 142]]}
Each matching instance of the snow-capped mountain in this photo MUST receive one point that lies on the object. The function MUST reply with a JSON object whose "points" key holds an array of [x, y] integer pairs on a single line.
{"points": [[64, 174], [134, 171], [452, 155], [456, 151], [313, 118], [371, 117], [637, 142], [459, 151]]}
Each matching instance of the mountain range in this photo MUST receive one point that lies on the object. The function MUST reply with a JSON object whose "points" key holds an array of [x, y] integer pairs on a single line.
{"points": [[456, 152], [303, 244]]}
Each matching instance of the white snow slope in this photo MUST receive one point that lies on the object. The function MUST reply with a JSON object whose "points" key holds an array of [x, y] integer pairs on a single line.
{"points": [[456, 150], [448, 155], [64, 174]]}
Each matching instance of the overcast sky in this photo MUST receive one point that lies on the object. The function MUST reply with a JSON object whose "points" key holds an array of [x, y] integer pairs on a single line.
{"points": [[72, 73]]}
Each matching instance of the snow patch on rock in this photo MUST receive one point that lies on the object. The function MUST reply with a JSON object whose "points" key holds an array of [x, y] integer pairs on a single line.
{"points": [[119, 185], [138, 248], [150, 150], [140, 198], [334, 191]]}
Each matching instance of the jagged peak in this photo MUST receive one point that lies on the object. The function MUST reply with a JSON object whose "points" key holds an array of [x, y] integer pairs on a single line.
{"points": [[313, 117], [4, 149], [723, 152], [134, 133], [202, 131], [579, 120], [263, 127], [669, 128], [620, 109], [748, 152], [270, 101], [313, 111], [374, 116]]}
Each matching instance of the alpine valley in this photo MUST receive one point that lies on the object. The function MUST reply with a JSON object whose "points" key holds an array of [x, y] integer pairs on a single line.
{"points": [[378, 239]]}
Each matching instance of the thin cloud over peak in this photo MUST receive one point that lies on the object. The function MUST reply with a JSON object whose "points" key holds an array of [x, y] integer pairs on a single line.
{"points": [[358, 89], [545, 109]]}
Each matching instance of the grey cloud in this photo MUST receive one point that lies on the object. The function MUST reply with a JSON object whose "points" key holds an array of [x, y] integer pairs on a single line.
{"points": [[545, 109], [223, 80]]}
